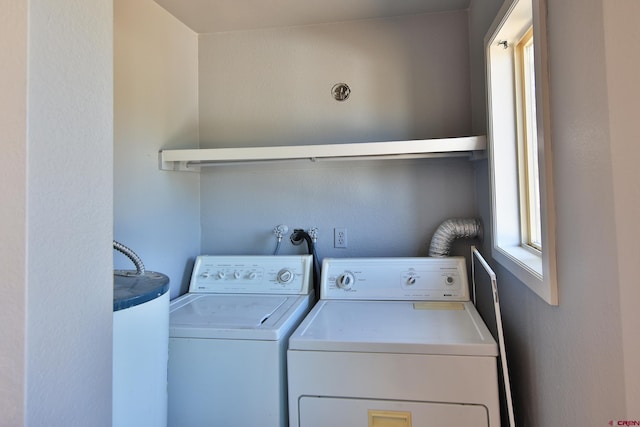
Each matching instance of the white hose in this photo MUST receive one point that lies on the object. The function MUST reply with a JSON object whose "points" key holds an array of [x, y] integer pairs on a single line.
{"points": [[450, 230]]}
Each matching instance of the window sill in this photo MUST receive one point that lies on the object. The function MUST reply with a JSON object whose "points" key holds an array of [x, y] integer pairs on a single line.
{"points": [[528, 267], [523, 258]]}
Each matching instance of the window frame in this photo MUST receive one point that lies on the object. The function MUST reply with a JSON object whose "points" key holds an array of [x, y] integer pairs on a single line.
{"points": [[535, 268]]}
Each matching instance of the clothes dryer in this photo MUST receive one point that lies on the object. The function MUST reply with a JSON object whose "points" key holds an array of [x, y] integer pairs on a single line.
{"points": [[393, 342], [228, 339]]}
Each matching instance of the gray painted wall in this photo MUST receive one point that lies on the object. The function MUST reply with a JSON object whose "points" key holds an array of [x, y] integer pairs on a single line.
{"points": [[623, 67], [390, 208], [567, 362], [409, 79], [157, 214]]}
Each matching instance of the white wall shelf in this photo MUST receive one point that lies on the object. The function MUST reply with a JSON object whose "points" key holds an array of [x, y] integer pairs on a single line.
{"points": [[194, 159]]}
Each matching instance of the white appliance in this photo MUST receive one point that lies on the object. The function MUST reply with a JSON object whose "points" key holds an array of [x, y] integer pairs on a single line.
{"points": [[393, 342], [140, 341], [228, 339]]}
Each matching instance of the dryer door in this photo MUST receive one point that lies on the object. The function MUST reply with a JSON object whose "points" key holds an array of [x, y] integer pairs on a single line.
{"points": [[342, 412]]}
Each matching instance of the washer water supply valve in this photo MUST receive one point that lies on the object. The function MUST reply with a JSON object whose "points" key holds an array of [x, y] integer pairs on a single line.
{"points": [[297, 237], [279, 231]]}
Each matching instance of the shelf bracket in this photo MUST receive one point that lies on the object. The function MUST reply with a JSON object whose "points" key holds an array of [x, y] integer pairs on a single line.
{"points": [[177, 166]]}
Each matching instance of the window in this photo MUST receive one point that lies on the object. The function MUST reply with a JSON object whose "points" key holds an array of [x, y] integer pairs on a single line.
{"points": [[528, 172], [519, 146]]}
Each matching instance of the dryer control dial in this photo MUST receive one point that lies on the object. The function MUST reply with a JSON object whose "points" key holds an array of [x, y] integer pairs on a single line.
{"points": [[345, 280]]}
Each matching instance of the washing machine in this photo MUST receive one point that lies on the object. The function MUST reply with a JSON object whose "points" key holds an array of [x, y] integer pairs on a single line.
{"points": [[228, 338], [393, 342]]}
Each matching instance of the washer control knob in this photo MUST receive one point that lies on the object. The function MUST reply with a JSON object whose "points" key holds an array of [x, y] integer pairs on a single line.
{"points": [[345, 280], [252, 275], [449, 280], [236, 275], [205, 275], [220, 275], [284, 276], [411, 280]]}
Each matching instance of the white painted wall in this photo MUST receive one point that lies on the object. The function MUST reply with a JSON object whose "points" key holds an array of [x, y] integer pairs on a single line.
{"points": [[567, 362], [13, 206], [56, 198], [409, 79], [157, 214]]}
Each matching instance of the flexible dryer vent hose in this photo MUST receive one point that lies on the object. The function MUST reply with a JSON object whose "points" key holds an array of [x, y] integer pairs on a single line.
{"points": [[131, 255], [450, 230]]}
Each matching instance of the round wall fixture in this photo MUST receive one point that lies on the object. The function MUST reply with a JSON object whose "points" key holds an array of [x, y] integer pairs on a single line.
{"points": [[340, 91]]}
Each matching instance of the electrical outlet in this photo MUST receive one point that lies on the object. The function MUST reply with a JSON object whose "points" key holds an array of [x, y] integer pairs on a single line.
{"points": [[340, 237]]}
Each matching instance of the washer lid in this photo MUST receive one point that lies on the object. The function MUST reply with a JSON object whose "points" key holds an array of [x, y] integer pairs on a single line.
{"points": [[261, 317], [419, 327]]}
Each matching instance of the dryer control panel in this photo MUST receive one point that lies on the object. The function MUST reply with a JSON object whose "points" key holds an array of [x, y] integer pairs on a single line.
{"points": [[252, 274], [387, 279]]}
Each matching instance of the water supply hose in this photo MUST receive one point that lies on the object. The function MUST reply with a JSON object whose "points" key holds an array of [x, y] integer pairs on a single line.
{"points": [[131, 255], [297, 237]]}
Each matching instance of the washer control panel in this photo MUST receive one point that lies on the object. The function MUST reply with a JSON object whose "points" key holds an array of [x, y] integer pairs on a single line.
{"points": [[395, 279], [255, 274]]}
